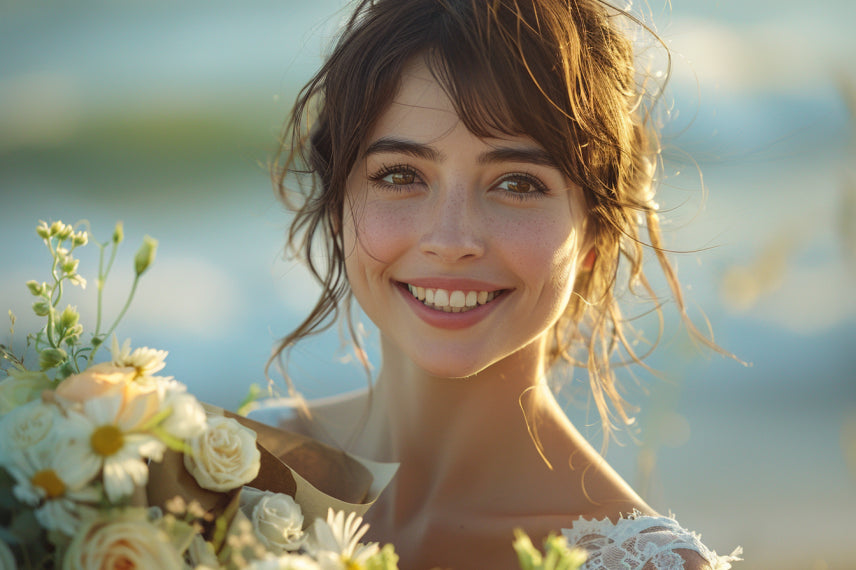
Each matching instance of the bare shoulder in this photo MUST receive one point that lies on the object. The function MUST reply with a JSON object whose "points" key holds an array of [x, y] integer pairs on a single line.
{"points": [[692, 560]]}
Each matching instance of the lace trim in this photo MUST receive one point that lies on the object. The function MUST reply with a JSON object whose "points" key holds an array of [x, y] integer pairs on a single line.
{"points": [[637, 540]]}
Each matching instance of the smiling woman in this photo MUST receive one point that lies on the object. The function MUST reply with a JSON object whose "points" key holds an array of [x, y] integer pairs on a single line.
{"points": [[431, 206], [473, 174]]}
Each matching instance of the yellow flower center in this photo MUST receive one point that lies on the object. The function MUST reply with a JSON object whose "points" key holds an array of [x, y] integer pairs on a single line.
{"points": [[107, 440], [48, 480]]}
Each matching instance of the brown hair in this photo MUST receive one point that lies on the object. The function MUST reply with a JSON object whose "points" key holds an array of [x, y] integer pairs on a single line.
{"points": [[558, 71]]}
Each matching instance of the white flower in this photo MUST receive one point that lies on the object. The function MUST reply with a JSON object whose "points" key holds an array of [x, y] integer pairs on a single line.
{"points": [[187, 417], [146, 361], [114, 446], [337, 540], [224, 456], [32, 425], [55, 482], [278, 522], [126, 540]]}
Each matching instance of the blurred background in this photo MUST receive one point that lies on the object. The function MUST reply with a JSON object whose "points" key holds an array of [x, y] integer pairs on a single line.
{"points": [[164, 115]]}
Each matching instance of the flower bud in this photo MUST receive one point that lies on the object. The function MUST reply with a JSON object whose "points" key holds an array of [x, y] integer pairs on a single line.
{"points": [[56, 227], [69, 265], [42, 230], [41, 308], [145, 255], [77, 280], [74, 333], [34, 287], [51, 357], [118, 233], [65, 231], [69, 317], [79, 239]]}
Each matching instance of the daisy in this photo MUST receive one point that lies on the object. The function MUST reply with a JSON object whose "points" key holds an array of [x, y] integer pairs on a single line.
{"points": [[57, 483], [337, 540], [146, 361], [116, 444]]}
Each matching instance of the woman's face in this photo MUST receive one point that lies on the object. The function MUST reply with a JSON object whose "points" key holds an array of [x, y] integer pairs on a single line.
{"points": [[461, 250]]}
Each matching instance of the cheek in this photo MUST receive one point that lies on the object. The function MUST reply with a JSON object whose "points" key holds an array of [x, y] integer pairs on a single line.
{"points": [[545, 250], [375, 233]]}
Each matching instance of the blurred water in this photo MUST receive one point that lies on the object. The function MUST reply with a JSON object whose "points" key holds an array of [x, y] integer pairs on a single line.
{"points": [[164, 116]]}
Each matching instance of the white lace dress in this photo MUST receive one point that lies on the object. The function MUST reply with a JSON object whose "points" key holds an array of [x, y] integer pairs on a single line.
{"points": [[637, 540]]}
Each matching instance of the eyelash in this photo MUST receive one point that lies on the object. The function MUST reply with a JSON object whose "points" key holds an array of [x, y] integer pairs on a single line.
{"points": [[378, 177], [539, 188]]}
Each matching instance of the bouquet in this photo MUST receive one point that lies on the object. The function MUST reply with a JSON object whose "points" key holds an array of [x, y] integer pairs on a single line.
{"points": [[107, 464]]}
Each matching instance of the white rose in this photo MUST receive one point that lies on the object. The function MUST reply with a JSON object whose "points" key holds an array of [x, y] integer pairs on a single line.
{"points": [[224, 456], [278, 522], [187, 417], [32, 425], [128, 541]]}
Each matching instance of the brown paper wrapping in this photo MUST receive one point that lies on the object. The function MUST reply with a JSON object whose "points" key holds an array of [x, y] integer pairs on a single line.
{"points": [[316, 475]]}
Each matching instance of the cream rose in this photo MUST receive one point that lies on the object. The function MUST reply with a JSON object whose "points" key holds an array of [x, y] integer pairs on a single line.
{"points": [[278, 522], [128, 540], [140, 401], [32, 425], [95, 381], [224, 456]]}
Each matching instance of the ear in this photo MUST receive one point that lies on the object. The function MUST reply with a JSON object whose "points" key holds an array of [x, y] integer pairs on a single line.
{"points": [[588, 260]]}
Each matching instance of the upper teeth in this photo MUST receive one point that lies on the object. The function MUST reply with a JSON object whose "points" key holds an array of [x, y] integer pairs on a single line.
{"points": [[451, 301]]}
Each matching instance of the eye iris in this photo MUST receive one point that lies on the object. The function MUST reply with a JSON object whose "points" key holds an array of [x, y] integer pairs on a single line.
{"points": [[402, 178], [520, 186]]}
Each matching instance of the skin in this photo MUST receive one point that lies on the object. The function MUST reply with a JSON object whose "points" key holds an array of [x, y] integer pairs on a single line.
{"points": [[430, 203]]}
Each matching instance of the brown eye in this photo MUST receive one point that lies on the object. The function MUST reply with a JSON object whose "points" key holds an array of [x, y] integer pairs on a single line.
{"points": [[519, 186], [402, 178], [522, 187]]}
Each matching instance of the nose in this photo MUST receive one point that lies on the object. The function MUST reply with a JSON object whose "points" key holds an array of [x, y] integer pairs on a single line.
{"points": [[453, 230]]}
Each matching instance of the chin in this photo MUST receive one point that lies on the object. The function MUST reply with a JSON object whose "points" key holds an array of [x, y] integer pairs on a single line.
{"points": [[452, 366]]}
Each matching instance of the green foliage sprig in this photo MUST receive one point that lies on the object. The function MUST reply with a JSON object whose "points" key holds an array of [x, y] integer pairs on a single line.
{"points": [[59, 344]]}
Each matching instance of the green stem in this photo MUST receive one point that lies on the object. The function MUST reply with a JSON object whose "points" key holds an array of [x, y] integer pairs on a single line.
{"points": [[118, 318], [99, 285]]}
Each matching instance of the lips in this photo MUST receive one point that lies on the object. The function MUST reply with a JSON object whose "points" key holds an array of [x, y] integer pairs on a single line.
{"points": [[451, 300]]}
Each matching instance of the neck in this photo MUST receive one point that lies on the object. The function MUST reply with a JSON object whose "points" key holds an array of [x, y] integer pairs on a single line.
{"points": [[453, 435], [470, 469]]}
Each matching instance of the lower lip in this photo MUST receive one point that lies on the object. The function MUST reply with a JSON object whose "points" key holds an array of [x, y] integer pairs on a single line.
{"points": [[449, 321]]}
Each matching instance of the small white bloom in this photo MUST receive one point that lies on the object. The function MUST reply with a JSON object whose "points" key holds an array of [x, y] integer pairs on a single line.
{"points": [[340, 537], [278, 522], [56, 483], [187, 418], [224, 456], [145, 360]]}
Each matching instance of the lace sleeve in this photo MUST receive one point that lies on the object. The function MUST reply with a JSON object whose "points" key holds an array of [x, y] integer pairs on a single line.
{"points": [[638, 540]]}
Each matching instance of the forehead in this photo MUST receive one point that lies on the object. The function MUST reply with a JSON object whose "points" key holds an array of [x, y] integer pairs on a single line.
{"points": [[422, 111]]}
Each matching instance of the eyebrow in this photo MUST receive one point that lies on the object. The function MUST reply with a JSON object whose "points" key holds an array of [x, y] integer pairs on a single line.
{"points": [[532, 155]]}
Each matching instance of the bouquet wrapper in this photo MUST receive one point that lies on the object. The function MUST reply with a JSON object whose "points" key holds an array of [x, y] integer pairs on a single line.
{"points": [[316, 475]]}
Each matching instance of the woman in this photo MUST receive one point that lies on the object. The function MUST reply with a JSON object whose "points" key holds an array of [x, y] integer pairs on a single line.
{"points": [[473, 171]]}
